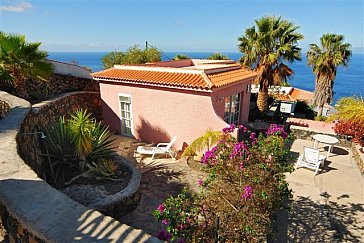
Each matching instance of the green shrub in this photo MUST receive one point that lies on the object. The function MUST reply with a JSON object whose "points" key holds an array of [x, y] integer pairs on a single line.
{"points": [[238, 199]]}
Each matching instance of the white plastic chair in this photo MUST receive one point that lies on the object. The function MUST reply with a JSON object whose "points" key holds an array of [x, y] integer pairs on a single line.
{"points": [[161, 148], [311, 159]]}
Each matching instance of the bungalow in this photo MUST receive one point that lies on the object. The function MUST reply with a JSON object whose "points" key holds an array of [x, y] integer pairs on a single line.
{"points": [[156, 101]]}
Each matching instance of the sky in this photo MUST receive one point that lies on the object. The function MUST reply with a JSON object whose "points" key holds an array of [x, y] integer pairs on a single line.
{"points": [[172, 25]]}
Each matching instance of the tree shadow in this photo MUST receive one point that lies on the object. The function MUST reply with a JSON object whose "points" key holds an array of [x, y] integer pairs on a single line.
{"points": [[306, 220], [150, 133], [160, 178]]}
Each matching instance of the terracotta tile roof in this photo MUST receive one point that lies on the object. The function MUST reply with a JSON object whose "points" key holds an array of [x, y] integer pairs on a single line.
{"points": [[300, 94], [294, 95], [182, 77], [192, 80], [229, 77]]}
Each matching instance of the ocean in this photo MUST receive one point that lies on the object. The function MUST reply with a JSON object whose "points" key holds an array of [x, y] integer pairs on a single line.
{"points": [[349, 80]]}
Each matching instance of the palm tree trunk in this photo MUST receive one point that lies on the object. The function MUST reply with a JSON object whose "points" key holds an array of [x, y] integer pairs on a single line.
{"points": [[319, 111], [262, 101]]}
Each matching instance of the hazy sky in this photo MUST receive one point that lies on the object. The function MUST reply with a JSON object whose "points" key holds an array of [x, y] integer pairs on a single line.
{"points": [[171, 25]]}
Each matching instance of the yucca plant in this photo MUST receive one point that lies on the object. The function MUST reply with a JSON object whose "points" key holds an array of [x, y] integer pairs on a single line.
{"points": [[80, 126], [101, 143], [79, 146], [203, 143], [60, 150]]}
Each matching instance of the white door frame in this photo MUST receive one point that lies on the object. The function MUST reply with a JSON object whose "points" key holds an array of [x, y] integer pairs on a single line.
{"points": [[131, 113]]}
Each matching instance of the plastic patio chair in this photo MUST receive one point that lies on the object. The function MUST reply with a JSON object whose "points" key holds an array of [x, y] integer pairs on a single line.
{"points": [[311, 159], [161, 148]]}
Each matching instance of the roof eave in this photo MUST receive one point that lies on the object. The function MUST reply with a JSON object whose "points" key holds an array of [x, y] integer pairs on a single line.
{"points": [[206, 90]]}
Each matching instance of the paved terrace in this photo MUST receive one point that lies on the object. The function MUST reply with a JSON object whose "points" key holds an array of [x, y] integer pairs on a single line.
{"points": [[327, 207]]}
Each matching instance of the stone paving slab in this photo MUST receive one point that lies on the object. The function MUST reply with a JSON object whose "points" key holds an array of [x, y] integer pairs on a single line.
{"points": [[327, 207]]}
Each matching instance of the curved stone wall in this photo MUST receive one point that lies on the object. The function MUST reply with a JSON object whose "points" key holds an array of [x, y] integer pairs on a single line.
{"points": [[4, 108], [33, 211], [45, 113]]}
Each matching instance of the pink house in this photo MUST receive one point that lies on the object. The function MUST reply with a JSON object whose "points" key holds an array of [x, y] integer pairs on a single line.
{"points": [[154, 102]]}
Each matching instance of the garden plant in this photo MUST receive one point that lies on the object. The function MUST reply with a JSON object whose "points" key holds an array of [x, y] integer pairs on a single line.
{"points": [[238, 199], [79, 147]]}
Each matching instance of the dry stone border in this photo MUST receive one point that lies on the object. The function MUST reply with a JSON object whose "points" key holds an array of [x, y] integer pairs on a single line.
{"points": [[33, 211]]}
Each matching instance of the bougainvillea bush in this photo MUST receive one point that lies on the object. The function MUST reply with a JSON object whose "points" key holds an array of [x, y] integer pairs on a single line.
{"points": [[238, 199]]}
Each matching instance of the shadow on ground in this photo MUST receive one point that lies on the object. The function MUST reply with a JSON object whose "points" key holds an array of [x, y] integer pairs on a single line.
{"points": [[310, 221], [159, 180]]}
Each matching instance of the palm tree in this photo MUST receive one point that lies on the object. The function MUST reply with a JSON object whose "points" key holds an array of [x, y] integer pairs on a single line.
{"points": [[181, 57], [218, 56], [20, 61], [265, 47], [324, 61]]}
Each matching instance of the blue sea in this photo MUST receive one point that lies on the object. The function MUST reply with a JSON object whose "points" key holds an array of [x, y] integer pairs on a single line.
{"points": [[349, 80]]}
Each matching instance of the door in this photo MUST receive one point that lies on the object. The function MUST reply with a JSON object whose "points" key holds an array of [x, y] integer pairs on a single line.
{"points": [[126, 118]]}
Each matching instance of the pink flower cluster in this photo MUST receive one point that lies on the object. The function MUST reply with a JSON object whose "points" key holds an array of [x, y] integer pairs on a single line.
{"points": [[253, 137], [161, 208], [239, 149], [274, 129], [232, 128], [248, 193], [229, 129], [210, 156]]}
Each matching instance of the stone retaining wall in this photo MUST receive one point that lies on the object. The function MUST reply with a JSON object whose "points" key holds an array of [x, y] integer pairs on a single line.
{"points": [[358, 156], [55, 85], [33, 211], [306, 134], [4, 108], [45, 113]]}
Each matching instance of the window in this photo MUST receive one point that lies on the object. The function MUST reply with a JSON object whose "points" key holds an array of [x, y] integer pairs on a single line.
{"points": [[232, 109]]}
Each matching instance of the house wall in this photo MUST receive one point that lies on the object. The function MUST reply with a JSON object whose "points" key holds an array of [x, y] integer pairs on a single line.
{"points": [[217, 99], [160, 114]]}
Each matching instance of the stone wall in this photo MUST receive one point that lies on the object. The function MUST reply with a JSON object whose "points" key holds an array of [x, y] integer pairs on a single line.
{"points": [[55, 85], [4, 108], [306, 134], [358, 156], [45, 113]]}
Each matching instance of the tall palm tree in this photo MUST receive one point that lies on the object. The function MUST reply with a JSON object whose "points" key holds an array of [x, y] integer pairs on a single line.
{"points": [[181, 57], [20, 61], [265, 47], [218, 56], [324, 61]]}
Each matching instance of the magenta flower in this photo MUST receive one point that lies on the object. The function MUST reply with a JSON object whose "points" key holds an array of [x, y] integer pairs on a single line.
{"points": [[239, 149], [274, 129], [161, 208], [248, 193], [164, 235], [209, 157], [200, 182], [164, 221], [229, 129], [253, 138], [241, 166]]}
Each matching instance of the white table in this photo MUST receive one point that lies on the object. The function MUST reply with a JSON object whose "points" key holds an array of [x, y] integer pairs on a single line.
{"points": [[326, 139]]}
